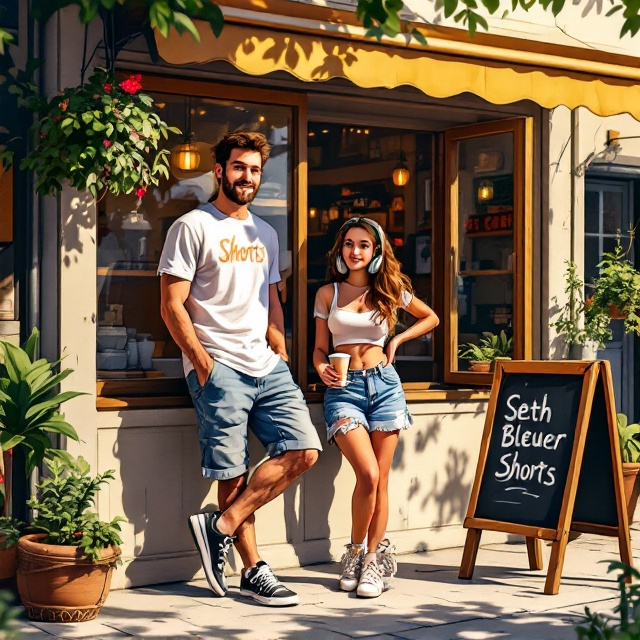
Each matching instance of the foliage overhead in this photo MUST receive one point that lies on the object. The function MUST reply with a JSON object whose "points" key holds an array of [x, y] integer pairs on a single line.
{"points": [[161, 14], [99, 135], [29, 404], [64, 503]]}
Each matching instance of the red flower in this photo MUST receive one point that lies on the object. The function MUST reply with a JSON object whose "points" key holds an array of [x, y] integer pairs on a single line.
{"points": [[107, 143], [132, 84], [107, 87], [140, 192], [64, 104]]}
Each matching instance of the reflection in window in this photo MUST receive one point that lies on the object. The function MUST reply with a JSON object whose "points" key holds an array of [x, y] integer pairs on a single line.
{"points": [[484, 289], [132, 340], [353, 171]]}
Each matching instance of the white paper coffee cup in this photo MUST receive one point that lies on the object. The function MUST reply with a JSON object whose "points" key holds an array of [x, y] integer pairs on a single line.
{"points": [[340, 362]]}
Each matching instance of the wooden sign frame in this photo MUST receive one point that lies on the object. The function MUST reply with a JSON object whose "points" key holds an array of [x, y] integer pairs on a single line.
{"points": [[597, 382]]}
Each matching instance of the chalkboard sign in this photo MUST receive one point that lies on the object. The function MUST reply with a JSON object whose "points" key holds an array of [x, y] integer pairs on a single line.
{"points": [[549, 461]]}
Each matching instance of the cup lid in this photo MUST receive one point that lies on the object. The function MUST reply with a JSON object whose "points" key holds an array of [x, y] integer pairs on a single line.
{"points": [[339, 355]]}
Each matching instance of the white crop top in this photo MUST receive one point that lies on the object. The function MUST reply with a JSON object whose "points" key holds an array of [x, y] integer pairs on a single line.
{"points": [[351, 327]]}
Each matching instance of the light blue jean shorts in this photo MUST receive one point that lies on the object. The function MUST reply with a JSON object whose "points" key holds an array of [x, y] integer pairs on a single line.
{"points": [[231, 402], [372, 398]]}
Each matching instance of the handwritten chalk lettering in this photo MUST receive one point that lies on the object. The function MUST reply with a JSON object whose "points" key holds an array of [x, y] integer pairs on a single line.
{"points": [[541, 472], [526, 438], [524, 412]]}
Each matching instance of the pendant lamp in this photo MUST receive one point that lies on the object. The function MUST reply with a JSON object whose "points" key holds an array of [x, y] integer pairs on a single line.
{"points": [[186, 156]]}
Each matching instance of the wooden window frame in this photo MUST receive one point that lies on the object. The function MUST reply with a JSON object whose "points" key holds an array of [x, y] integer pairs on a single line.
{"points": [[522, 130]]}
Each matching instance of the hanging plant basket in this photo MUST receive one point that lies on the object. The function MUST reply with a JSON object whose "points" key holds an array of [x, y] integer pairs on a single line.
{"points": [[102, 135]]}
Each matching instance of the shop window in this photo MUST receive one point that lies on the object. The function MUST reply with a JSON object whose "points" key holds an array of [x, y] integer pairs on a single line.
{"points": [[383, 174], [488, 232], [138, 363]]}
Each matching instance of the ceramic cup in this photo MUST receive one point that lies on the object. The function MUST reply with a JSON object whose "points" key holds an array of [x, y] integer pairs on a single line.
{"points": [[340, 362]]}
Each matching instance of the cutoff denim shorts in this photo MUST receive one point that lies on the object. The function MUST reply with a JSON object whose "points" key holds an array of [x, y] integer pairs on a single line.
{"points": [[372, 398], [231, 402]]}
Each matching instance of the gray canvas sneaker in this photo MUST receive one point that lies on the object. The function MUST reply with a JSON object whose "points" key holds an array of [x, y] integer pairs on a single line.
{"points": [[386, 556], [351, 567]]}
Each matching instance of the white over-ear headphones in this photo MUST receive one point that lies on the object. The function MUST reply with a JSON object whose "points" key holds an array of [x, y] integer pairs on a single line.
{"points": [[378, 234]]}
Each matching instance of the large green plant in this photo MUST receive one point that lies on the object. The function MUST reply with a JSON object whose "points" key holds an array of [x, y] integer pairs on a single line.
{"points": [[102, 134], [618, 285], [578, 321], [63, 507], [624, 626], [629, 438], [29, 404]]}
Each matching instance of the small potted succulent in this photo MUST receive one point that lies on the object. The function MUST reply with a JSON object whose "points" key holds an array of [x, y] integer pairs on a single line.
{"points": [[490, 347]]}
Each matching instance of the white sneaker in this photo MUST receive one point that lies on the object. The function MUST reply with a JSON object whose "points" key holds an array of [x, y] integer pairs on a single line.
{"points": [[371, 584], [386, 555], [351, 567]]}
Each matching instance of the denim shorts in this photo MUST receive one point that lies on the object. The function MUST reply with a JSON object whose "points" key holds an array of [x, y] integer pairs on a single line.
{"points": [[231, 402], [373, 398]]}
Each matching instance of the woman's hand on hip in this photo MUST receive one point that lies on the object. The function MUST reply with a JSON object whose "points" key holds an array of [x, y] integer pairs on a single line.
{"points": [[390, 351]]}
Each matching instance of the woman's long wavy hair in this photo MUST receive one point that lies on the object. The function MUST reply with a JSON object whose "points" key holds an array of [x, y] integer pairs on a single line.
{"points": [[385, 287]]}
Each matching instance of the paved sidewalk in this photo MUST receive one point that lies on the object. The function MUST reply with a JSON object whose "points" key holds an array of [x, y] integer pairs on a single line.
{"points": [[504, 600]]}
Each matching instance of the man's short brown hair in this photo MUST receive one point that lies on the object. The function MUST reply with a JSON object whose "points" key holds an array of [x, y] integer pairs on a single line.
{"points": [[250, 140]]}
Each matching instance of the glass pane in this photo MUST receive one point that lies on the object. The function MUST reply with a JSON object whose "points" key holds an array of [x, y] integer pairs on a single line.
{"points": [[354, 170], [132, 233], [592, 211], [484, 285], [612, 212]]}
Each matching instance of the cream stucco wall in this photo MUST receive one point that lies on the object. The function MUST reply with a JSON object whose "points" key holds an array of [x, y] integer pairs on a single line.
{"points": [[156, 458]]}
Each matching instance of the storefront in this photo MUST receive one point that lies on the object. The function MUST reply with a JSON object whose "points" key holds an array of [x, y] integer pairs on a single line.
{"points": [[463, 154]]}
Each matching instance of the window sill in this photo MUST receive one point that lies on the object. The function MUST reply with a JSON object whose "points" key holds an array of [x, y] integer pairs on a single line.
{"points": [[421, 392]]}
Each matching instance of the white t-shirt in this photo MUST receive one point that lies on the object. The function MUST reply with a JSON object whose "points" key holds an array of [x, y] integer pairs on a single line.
{"points": [[230, 264]]}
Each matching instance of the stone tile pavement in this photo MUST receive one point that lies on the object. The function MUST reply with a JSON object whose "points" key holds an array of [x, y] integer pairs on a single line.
{"points": [[503, 600]]}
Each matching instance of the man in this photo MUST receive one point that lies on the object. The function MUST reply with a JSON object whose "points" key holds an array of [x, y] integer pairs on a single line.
{"points": [[219, 300]]}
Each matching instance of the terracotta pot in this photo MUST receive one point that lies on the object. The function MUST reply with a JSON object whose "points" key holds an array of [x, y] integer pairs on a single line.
{"points": [[57, 584], [631, 486], [615, 313], [8, 560], [477, 365]]}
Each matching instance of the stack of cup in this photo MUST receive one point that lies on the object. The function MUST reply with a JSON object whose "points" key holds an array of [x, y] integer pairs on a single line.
{"points": [[340, 362]]}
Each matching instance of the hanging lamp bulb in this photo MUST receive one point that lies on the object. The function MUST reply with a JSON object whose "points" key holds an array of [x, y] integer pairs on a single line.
{"points": [[186, 156], [401, 173]]}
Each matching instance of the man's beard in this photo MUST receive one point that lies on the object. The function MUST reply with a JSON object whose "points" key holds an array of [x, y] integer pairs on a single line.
{"points": [[238, 197]]}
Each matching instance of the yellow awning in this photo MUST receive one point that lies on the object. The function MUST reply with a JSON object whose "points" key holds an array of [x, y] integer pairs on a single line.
{"points": [[608, 88]]}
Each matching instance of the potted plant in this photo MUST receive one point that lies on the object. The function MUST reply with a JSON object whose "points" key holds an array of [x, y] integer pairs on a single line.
{"points": [[10, 531], [629, 439], [29, 404], [583, 326], [490, 347], [617, 289], [100, 135], [64, 568]]}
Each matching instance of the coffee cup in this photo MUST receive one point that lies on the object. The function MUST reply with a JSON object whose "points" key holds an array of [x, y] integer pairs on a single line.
{"points": [[340, 362]]}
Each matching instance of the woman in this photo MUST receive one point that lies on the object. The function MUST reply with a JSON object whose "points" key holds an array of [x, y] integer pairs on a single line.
{"points": [[356, 312]]}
